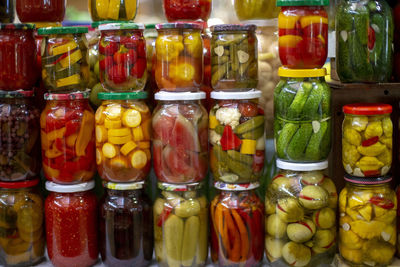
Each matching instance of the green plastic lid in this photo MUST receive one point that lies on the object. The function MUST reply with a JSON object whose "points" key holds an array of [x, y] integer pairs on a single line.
{"points": [[122, 96], [302, 2], [96, 24], [150, 26], [62, 30], [121, 26], [17, 26]]}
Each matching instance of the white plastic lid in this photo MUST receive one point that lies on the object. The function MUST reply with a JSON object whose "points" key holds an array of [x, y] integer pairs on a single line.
{"points": [[179, 95], [252, 94], [61, 188], [262, 22], [124, 186], [314, 166], [121, 26]]}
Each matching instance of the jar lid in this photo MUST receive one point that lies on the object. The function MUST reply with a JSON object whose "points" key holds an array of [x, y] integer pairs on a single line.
{"points": [[302, 2], [62, 30], [233, 27], [150, 26], [67, 96], [121, 26], [179, 187], [39, 25], [263, 22], [21, 184], [179, 96], [252, 94], [367, 181], [60, 188], [16, 94], [17, 26], [180, 25], [297, 73], [96, 24], [124, 186], [302, 167], [236, 187], [122, 96], [367, 109]]}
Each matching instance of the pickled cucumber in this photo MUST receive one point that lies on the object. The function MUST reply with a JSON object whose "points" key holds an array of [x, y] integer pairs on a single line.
{"points": [[250, 125], [190, 240], [173, 238]]}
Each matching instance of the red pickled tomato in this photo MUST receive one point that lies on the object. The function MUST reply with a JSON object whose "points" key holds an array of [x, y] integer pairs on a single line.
{"points": [[108, 49], [105, 63], [315, 52], [291, 56], [117, 74], [316, 29], [141, 49], [248, 109], [125, 59], [139, 68]]}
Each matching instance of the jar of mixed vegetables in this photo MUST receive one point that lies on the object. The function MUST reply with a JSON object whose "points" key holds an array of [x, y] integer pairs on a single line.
{"points": [[41, 10], [367, 139], [234, 65], [237, 225], [22, 223], [364, 41], [367, 233], [18, 57], [236, 133], [115, 10], [123, 127], [256, 10], [19, 136], [65, 66], [302, 125], [181, 225], [122, 60], [179, 56], [71, 224], [68, 140], [179, 156], [187, 10], [126, 225], [300, 206], [303, 33], [6, 11]]}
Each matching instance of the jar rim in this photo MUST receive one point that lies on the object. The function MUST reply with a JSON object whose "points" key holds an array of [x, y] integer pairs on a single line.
{"points": [[179, 187], [122, 95], [367, 109], [301, 73], [17, 26], [96, 24], [171, 96], [292, 166], [67, 96], [282, 3], [121, 26], [73, 188], [19, 184], [180, 25], [367, 181], [235, 187], [62, 30], [221, 95], [124, 186], [233, 27]]}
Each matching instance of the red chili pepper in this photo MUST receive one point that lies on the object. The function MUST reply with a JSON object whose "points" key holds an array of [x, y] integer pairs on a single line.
{"points": [[371, 173], [382, 202], [164, 215], [371, 141], [72, 127], [229, 140]]}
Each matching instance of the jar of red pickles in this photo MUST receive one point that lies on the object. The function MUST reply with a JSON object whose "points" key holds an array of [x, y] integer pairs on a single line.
{"points": [[123, 127], [122, 59], [237, 225], [179, 56], [71, 224], [115, 10], [6, 11], [126, 225], [179, 156], [303, 33], [41, 10], [18, 57], [68, 139], [65, 65], [187, 10], [19, 136], [22, 224]]}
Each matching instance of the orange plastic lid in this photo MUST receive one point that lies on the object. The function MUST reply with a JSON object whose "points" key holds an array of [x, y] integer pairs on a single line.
{"points": [[367, 109]]}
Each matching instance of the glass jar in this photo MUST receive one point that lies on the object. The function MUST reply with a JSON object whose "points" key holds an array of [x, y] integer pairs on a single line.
{"points": [[181, 225], [237, 225], [206, 84], [187, 10], [303, 34], [68, 139], [179, 57], [22, 226], [367, 139], [302, 125], [234, 65], [123, 128], [6, 11], [367, 233], [236, 133], [65, 66], [364, 41], [18, 57], [126, 225], [40, 10], [150, 35], [113, 10], [256, 10], [398, 222], [396, 42], [300, 206], [174, 160], [19, 136], [71, 224]]}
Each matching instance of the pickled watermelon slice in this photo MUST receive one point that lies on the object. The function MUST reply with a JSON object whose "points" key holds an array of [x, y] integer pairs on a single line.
{"points": [[184, 135]]}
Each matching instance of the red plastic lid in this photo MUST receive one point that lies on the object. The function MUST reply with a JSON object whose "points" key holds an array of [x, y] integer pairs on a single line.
{"points": [[68, 96], [22, 184], [367, 109]]}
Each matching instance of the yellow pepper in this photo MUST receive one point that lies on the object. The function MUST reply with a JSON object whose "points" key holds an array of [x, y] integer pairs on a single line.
{"points": [[50, 171], [287, 22], [308, 20], [369, 164], [71, 80], [71, 59], [248, 146], [213, 122], [53, 135], [85, 133], [61, 49], [289, 40]]}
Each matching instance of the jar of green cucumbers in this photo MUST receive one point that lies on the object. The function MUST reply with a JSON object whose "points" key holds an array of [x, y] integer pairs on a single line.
{"points": [[302, 125]]}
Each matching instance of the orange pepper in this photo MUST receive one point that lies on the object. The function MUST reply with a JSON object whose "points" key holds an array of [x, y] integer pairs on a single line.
{"points": [[221, 227], [233, 253], [243, 235]]}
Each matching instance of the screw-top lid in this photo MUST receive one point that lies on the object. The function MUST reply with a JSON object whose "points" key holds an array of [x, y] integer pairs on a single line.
{"points": [[124, 186], [96, 24], [150, 26], [252, 94], [16, 94], [367, 109], [297, 73], [122, 96], [179, 187], [21, 184], [180, 25], [171, 96], [236, 187], [67, 96], [62, 30], [121, 26], [367, 181], [17, 26], [233, 27], [302, 167], [60, 188], [302, 2], [39, 25]]}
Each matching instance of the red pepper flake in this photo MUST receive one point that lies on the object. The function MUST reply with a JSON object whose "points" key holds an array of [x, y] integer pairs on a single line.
{"points": [[371, 141]]}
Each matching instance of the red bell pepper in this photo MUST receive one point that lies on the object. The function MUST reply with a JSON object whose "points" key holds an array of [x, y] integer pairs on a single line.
{"points": [[61, 146], [229, 140], [371, 141], [164, 215], [382, 202], [72, 127]]}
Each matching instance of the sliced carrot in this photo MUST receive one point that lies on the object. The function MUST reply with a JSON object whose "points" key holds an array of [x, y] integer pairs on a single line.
{"points": [[234, 253], [243, 235]]}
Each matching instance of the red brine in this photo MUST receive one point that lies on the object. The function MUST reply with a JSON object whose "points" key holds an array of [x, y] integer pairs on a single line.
{"points": [[40, 10], [187, 9]]}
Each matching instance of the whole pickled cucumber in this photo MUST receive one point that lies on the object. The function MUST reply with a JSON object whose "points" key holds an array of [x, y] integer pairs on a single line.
{"points": [[243, 170], [173, 235], [298, 144], [310, 110], [221, 155], [360, 58], [187, 208], [190, 240], [313, 151], [279, 87], [202, 248], [254, 134], [250, 125], [344, 26], [361, 22], [284, 137], [297, 105], [326, 141], [237, 156], [326, 101], [283, 100]]}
